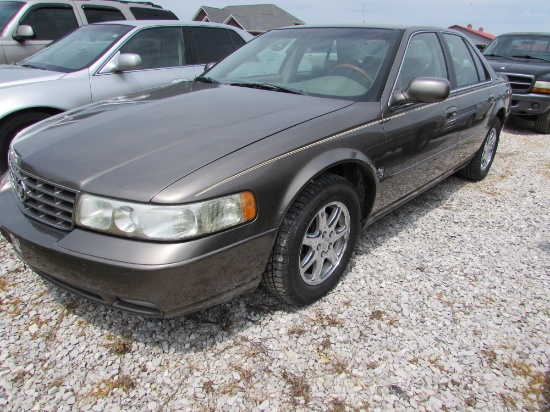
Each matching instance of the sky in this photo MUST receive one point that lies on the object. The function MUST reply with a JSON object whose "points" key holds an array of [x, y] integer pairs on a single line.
{"points": [[495, 16]]}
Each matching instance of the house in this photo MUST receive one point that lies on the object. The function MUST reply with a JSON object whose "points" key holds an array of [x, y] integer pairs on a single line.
{"points": [[478, 37], [255, 18]]}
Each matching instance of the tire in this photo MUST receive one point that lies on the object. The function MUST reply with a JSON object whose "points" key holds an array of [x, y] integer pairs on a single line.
{"points": [[479, 166], [12, 126], [542, 123], [307, 261]]}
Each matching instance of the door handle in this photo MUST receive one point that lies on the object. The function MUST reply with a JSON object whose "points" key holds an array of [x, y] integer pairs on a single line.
{"points": [[491, 97], [452, 111]]}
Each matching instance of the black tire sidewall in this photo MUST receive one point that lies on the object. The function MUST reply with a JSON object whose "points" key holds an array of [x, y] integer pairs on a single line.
{"points": [[11, 127], [341, 191], [483, 172]]}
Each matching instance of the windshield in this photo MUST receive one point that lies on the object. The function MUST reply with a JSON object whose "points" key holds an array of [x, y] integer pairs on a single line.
{"points": [[527, 46], [79, 49], [342, 63], [7, 11]]}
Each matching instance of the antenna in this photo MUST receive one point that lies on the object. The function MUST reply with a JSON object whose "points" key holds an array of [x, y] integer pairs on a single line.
{"points": [[363, 13]]}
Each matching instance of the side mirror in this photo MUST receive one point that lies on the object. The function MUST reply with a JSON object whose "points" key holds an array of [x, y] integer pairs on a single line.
{"points": [[128, 61], [422, 90], [23, 32], [208, 66]]}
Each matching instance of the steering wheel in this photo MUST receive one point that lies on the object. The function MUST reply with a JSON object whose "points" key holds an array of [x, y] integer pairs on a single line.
{"points": [[353, 67]]}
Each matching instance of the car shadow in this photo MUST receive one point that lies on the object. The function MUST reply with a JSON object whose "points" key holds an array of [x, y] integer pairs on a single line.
{"points": [[226, 322], [520, 125]]}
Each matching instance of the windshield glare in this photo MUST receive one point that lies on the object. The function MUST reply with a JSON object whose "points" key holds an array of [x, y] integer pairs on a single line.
{"points": [[536, 46], [7, 11], [78, 49], [343, 63]]}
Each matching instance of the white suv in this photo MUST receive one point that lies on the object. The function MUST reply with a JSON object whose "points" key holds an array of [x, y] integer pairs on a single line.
{"points": [[26, 26]]}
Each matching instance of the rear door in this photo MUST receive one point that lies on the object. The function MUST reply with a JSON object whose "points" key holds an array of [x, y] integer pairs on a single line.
{"points": [[165, 60], [474, 90]]}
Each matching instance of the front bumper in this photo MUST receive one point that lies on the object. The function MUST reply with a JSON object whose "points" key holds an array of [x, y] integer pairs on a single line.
{"points": [[153, 279], [530, 104]]}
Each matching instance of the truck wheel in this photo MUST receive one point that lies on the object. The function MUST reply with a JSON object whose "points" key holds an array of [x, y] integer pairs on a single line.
{"points": [[12, 126], [542, 124]]}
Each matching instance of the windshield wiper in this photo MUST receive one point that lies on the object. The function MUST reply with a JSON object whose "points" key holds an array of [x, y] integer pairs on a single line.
{"points": [[32, 67], [269, 86], [206, 80], [499, 56], [533, 58]]}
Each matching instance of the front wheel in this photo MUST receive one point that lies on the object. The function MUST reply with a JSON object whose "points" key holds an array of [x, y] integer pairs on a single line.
{"points": [[315, 241], [479, 166], [10, 127], [542, 123]]}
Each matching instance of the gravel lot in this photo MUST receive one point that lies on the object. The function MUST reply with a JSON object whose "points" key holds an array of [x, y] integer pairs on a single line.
{"points": [[446, 306]]}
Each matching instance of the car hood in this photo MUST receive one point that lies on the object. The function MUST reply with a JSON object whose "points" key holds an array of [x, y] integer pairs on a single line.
{"points": [[135, 146], [532, 67], [11, 76]]}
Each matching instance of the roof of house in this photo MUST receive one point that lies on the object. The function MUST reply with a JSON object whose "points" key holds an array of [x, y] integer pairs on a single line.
{"points": [[253, 18], [479, 32]]}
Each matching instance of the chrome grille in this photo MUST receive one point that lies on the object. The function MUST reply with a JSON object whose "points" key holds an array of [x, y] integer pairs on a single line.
{"points": [[47, 202], [520, 83]]}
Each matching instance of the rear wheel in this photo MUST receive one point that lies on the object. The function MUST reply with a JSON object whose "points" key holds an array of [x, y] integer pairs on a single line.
{"points": [[542, 123], [479, 166], [315, 241], [12, 126]]}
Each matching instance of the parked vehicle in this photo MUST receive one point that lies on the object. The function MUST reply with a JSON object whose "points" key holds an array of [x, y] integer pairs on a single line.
{"points": [[105, 60], [525, 59], [26, 26], [176, 199]]}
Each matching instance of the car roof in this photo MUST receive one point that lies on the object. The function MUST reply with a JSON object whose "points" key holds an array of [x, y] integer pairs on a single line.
{"points": [[369, 26], [154, 23], [524, 33], [130, 3]]}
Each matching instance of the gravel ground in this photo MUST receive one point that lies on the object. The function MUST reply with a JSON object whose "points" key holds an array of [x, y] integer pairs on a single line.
{"points": [[445, 307]]}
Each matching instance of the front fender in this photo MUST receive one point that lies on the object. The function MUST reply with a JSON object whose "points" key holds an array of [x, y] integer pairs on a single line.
{"points": [[59, 95]]}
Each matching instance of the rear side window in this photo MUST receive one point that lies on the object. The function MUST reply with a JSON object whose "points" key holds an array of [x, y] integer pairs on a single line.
{"points": [[212, 44], [238, 41], [50, 23], [141, 13], [97, 14]]}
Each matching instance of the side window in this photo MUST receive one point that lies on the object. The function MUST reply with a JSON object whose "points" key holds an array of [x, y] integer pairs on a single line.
{"points": [[96, 14], [50, 23], [142, 13], [481, 68], [463, 62], [160, 47], [212, 44], [423, 58], [238, 41]]}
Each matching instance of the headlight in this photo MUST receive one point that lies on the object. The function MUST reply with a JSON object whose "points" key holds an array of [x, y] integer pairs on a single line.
{"points": [[159, 222], [541, 86]]}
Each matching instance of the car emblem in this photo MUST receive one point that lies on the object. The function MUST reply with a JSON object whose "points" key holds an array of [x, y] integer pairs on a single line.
{"points": [[22, 191]]}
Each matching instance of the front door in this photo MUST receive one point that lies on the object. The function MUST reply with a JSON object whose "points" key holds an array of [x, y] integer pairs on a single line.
{"points": [[164, 58], [49, 23], [420, 138]]}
